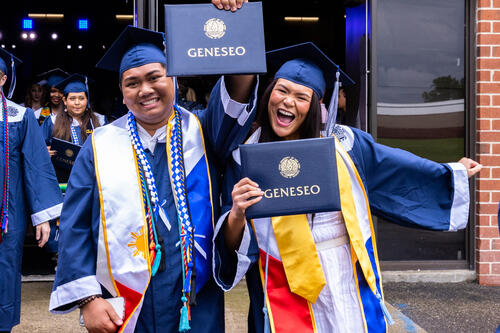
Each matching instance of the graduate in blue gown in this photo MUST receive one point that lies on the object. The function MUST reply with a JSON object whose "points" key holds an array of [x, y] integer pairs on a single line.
{"points": [[392, 183], [142, 198], [55, 105], [29, 189], [76, 122]]}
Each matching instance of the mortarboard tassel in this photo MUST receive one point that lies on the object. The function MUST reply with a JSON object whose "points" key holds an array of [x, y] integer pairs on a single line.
{"points": [[12, 78], [332, 108]]}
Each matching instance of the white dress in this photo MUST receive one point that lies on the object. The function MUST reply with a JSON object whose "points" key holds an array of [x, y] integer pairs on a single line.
{"points": [[337, 308]]}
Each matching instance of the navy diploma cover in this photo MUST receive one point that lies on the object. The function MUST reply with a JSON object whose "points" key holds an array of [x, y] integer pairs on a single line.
{"points": [[297, 177], [66, 153], [203, 40]]}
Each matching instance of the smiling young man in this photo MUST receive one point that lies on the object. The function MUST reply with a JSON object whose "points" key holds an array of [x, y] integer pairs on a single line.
{"points": [[142, 200], [29, 187]]}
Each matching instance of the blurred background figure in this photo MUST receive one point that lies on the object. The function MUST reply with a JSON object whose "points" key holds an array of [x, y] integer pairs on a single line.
{"points": [[186, 95], [54, 104], [35, 98]]}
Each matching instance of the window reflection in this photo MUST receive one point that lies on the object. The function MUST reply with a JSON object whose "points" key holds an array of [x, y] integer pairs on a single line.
{"points": [[420, 104]]}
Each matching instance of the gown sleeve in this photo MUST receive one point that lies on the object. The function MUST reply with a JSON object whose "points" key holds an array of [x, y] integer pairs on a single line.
{"points": [[226, 122], [41, 187], [79, 230], [47, 127], [230, 267], [411, 190]]}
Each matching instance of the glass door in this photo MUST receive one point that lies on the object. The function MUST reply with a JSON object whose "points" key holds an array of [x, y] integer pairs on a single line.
{"points": [[420, 107]]}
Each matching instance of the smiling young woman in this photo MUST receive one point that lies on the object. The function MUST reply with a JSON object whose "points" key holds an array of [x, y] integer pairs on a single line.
{"points": [[339, 289], [288, 111]]}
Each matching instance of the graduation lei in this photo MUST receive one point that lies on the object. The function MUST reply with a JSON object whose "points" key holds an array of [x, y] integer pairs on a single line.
{"points": [[152, 208], [4, 221], [74, 136]]}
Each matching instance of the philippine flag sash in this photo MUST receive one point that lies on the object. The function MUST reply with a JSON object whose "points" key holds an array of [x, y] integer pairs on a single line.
{"points": [[123, 263]]}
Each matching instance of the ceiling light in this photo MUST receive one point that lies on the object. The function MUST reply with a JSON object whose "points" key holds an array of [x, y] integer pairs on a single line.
{"points": [[46, 16], [124, 17], [27, 24], [301, 19]]}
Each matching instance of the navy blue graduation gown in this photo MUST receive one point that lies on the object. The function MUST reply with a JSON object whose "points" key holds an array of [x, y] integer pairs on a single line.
{"points": [[79, 228], [33, 191], [401, 187]]}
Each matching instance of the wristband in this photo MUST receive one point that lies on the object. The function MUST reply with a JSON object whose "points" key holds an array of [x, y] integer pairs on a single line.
{"points": [[87, 300]]}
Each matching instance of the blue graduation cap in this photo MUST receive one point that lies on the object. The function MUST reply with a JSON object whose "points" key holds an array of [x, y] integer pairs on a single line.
{"points": [[53, 76], [306, 64], [8, 63], [134, 47], [74, 83]]}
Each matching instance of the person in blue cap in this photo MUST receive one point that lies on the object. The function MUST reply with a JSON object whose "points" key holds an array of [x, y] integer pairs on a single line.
{"points": [[142, 198], [55, 104], [320, 272], [29, 188], [76, 122]]}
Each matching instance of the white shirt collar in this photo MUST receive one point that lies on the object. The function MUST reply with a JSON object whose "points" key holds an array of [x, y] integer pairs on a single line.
{"points": [[148, 141]]}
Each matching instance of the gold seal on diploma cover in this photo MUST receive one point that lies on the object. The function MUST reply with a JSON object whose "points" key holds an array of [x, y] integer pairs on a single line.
{"points": [[214, 28], [68, 153], [289, 167]]}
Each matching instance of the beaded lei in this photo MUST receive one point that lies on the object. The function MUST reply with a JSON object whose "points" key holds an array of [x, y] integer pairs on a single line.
{"points": [[152, 208]]}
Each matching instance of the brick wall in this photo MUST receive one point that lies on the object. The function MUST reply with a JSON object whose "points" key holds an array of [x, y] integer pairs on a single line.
{"points": [[488, 141]]}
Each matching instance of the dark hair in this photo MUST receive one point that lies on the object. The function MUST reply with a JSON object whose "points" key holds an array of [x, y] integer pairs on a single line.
{"points": [[310, 128], [62, 125]]}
